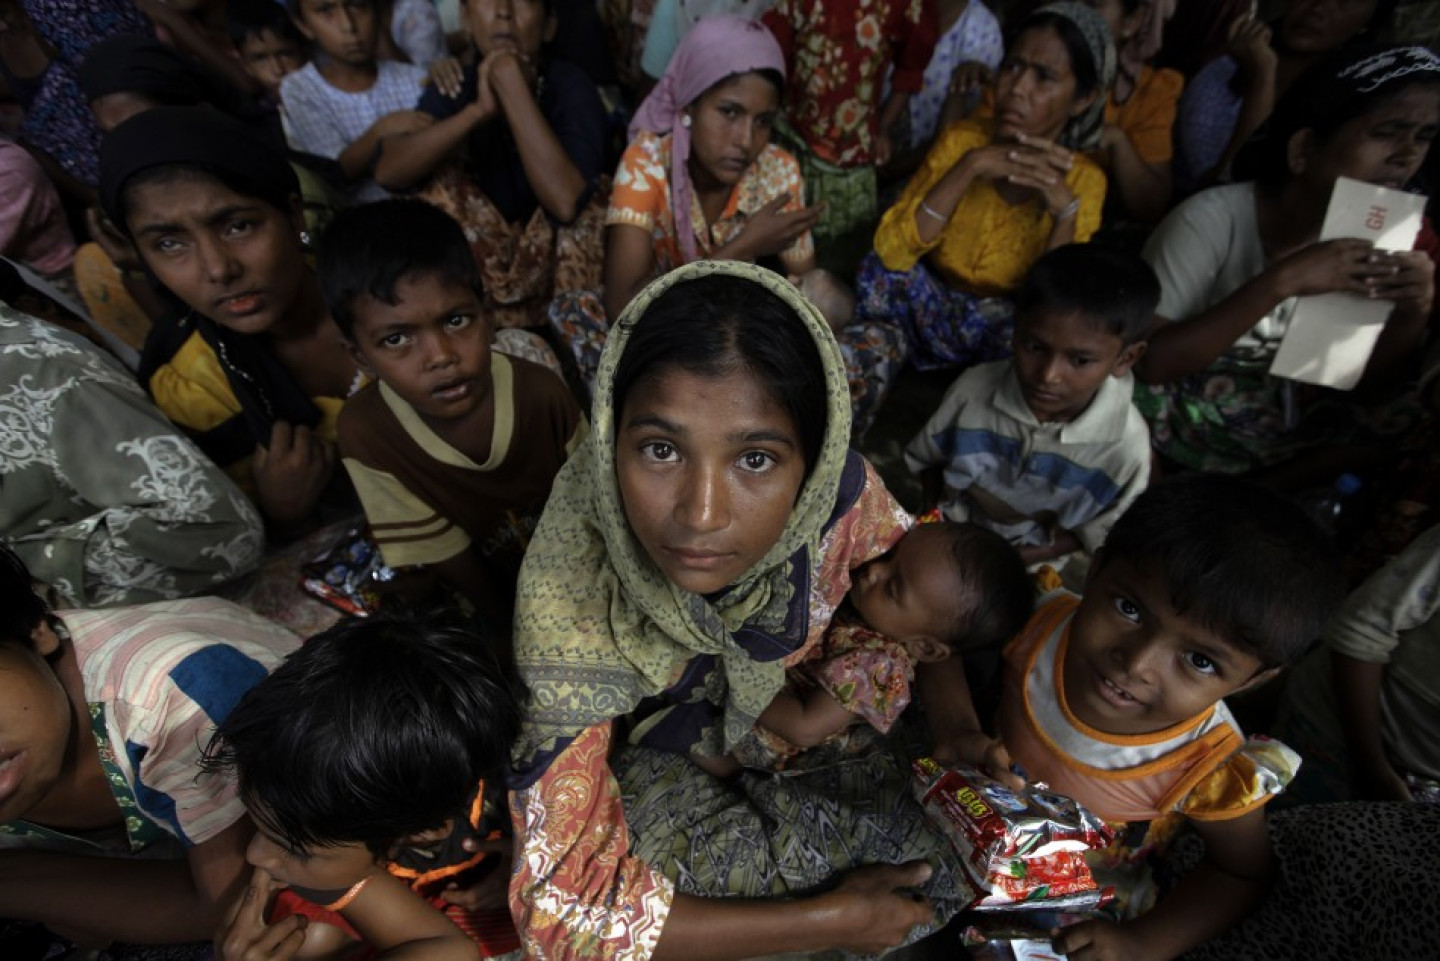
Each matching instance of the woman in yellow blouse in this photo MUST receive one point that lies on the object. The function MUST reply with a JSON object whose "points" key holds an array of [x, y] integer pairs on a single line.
{"points": [[995, 194]]}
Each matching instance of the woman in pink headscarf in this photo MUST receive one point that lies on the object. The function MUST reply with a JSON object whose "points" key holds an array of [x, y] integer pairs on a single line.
{"points": [[702, 181], [701, 178]]}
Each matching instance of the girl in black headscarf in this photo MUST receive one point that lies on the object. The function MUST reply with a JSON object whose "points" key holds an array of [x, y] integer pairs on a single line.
{"points": [[256, 370]]}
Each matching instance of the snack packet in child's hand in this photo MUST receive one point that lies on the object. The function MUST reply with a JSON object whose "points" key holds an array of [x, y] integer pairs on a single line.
{"points": [[1018, 936], [1019, 848]]}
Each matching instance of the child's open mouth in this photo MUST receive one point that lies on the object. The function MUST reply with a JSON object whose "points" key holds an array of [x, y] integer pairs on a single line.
{"points": [[1115, 694], [9, 774], [452, 392]]}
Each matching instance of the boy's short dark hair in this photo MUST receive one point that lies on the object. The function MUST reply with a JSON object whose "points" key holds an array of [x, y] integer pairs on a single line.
{"points": [[293, 7], [1113, 288], [998, 594], [21, 609], [1238, 558], [367, 250], [250, 18], [375, 729]]}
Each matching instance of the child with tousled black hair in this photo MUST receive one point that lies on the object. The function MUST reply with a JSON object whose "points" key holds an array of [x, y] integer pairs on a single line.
{"points": [[1206, 587], [1046, 448], [358, 760], [108, 829], [453, 447], [265, 37]]}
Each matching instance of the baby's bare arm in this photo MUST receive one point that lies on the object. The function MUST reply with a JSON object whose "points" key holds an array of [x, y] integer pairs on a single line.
{"points": [[806, 720]]}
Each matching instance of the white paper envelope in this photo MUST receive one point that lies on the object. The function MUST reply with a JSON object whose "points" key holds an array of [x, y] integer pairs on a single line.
{"points": [[1331, 336]]}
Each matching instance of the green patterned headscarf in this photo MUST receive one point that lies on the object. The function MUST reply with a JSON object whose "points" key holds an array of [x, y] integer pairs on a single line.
{"points": [[1082, 133], [598, 627]]}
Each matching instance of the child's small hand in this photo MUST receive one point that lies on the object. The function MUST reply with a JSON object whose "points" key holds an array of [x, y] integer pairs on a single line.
{"points": [[291, 472], [884, 148], [969, 79], [447, 76], [1097, 941], [492, 891], [246, 937], [978, 749]]}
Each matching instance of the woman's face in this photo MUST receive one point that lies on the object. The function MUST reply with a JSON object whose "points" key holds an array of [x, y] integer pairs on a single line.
{"points": [[729, 125], [1319, 26], [1384, 146], [518, 25], [709, 469], [1035, 88], [233, 258]]}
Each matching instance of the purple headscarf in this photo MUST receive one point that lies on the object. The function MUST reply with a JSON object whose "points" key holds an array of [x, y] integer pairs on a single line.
{"points": [[715, 48]]}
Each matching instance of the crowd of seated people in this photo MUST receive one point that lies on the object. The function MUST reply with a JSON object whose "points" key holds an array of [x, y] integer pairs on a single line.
{"points": [[526, 477]]}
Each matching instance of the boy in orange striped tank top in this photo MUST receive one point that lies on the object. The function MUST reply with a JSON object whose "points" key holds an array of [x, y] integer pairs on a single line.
{"points": [[1206, 587]]}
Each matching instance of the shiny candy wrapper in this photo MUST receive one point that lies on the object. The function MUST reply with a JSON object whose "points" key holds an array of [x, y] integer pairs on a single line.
{"points": [[1020, 849], [348, 576]]}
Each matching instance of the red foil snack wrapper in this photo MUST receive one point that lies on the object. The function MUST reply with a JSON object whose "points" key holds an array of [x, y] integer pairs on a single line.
{"points": [[1020, 849]]}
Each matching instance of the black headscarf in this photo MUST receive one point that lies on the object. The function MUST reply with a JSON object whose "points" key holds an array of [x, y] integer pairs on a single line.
{"points": [[132, 63], [211, 143], [199, 137]]}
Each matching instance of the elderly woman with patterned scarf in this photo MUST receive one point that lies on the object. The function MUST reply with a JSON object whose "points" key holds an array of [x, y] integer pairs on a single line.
{"points": [[994, 194]]}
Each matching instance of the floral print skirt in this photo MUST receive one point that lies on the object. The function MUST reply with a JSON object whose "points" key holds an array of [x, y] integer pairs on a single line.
{"points": [[945, 327]]}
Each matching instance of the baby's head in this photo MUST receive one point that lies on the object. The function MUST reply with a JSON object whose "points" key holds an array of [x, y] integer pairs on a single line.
{"points": [[832, 295], [1206, 586], [36, 718], [401, 283], [1081, 316], [944, 588], [375, 730]]}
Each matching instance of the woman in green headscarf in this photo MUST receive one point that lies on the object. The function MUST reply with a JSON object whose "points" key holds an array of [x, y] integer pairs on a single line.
{"points": [[995, 193], [693, 550]]}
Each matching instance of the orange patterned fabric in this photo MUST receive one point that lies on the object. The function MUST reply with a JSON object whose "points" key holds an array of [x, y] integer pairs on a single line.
{"points": [[641, 198]]}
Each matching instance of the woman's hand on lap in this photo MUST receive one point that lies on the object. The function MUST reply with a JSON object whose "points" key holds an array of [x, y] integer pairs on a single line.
{"points": [[246, 937], [291, 472], [882, 905]]}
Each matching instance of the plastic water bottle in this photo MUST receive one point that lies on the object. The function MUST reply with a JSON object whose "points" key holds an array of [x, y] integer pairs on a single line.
{"points": [[1327, 507]]}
